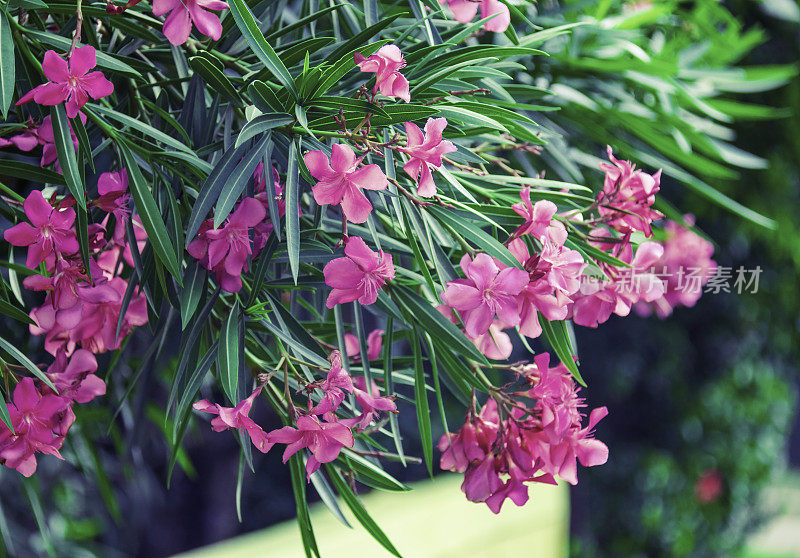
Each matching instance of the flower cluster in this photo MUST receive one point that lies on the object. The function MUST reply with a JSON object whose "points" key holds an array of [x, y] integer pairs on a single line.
{"points": [[625, 202], [318, 428], [682, 249], [80, 315], [494, 297], [511, 442], [226, 250]]}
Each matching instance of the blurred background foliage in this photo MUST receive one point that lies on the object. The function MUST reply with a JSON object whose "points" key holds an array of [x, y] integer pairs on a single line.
{"points": [[701, 404]]}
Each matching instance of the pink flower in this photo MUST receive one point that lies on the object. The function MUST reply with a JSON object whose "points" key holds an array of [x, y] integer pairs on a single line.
{"points": [[561, 265], [472, 442], [371, 402], [538, 217], [238, 418], [465, 10], [374, 342], [578, 444], [114, 199], [72, 82], [481, 480], [184, 13], [599, 298], [386, 64], [359, 275], [225, 250], [513, 489], [627, 196], [74, 378], [336, 383], [495, 343], [97, 330], [36, 419], [499, 454], [69, 288], [25, 141], [340, 182], [50, 235], [487, 291], [426, 152], [323, 439], [539, 296], [556, 395], [48, 141], [685, 265]]}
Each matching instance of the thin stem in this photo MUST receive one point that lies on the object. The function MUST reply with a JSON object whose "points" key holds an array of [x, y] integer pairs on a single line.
{"points": [[78, 27]]}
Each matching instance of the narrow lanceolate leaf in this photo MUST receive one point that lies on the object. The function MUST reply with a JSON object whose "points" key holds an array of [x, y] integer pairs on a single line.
{"points": [[358, 510], [328, 497], [558, 337], [194, 283], [421, 400], [157, 234], [478, 237], [248, 25], [4, 414], [303, 515], [210, 191], [12, 311], [371, 474], [236, 181], [228, 355], [66, 154], [293, 210], [260, 124], [17, 355], [437, 325], [82, 230], [6, 64]]}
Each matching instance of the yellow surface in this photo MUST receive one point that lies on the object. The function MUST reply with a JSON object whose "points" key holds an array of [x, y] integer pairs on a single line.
{"points": [[432, 521]]}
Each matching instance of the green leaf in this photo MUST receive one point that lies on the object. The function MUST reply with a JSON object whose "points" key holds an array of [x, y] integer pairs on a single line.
{"points": [[194, 283], [191, 389], [421, 401], [558, 337], [237, 180], [25, 171], [13, 312], [432, 321], [210, 190], [153, 223], [26, 362], [4, 414], [66, 154], [82, 230], [478, 237], [303, 515], [210, 69], [148, 131], [6, 64], [328, 497], [248, 25], [358, 510], [260, 124], [293, 210], [228, 356], [371, 474]]}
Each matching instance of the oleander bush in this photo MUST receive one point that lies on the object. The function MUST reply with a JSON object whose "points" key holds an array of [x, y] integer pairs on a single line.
{"points": [[216, 212]]}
